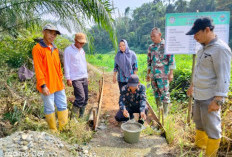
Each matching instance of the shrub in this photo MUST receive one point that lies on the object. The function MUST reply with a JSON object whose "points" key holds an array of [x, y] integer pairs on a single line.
{"points": [[180, 84]]}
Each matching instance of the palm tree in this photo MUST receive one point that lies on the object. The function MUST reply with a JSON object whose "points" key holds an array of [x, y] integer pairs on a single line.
{"points": [[181, 6], [18, 14]]}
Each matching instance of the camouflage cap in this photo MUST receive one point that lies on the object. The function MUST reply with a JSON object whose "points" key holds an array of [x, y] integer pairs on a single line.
{"points": [[51, 27]]}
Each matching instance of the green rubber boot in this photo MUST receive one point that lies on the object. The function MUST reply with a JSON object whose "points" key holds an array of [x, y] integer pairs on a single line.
{"points": [[75, 111], [81, 112]]}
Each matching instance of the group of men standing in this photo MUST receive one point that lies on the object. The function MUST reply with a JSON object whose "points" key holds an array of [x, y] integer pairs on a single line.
{"points": [[211, 80]]}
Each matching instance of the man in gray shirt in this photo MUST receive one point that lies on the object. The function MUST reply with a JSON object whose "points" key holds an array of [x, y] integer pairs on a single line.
{"points": [[211, 82]]}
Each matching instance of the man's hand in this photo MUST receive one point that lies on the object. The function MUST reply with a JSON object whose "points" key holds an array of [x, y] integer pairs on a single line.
{"points": [[143, 115], [69, 83], [148, 79], [190, 91], [170, 76], [125, 113], [114, 79], [213, 106], [45, 91]]}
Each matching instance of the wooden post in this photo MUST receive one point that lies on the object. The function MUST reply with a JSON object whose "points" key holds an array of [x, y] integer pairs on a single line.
{"points": [[154, 116], [162, 116], [191, 82], [94, 119], [99, 105], [191, 97]]}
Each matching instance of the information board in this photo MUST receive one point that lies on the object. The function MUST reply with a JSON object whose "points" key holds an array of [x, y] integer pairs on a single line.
{"points": [[178, 24]]}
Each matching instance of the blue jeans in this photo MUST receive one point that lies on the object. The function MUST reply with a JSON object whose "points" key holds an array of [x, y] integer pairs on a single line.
{"points": [[58, 98]]}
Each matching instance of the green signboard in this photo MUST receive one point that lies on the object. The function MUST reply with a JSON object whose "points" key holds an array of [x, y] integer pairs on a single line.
{"points": [[177, 24]]}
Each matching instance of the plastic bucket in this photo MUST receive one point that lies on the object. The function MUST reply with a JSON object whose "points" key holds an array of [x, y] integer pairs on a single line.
{"points": [[131, 131]]}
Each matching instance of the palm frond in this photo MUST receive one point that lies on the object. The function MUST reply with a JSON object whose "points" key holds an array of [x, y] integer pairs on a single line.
{"points": [[16, 14]]}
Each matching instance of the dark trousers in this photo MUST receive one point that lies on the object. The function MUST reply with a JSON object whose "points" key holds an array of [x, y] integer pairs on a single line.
{"points": [[81, 92], [120, 117], [120, 85]]}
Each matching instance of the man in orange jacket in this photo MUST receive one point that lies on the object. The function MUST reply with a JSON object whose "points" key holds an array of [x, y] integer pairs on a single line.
{"points": [[49, 78]]}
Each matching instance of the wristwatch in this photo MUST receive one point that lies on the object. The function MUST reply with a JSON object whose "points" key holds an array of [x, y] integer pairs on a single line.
{"points": [[219, 102]]}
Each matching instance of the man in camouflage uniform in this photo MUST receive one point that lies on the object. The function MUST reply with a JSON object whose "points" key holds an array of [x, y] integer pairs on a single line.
{"points": [[160, 69]]}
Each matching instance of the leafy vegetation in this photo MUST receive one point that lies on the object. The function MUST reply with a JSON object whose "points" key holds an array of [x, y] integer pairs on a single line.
{"points": [[20, 26], [175, 122], [21, 23], [135, 25], [73, 15]]}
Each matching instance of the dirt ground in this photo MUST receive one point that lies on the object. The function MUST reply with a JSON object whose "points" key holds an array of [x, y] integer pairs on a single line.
{"points": [[108, 140]]}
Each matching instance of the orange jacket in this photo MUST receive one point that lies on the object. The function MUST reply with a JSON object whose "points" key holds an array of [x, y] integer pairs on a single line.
{"points": [[47, 67]]}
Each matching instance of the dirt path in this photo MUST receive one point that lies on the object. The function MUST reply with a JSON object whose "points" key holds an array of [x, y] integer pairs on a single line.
{"points": [[108, 140]]}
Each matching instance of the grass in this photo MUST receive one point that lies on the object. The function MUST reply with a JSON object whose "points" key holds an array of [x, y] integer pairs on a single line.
{"points": [[179, 133], [107, 61], [76, 132], [22, 106]]}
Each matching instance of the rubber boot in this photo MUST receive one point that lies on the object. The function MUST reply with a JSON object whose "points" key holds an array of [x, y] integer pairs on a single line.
{"points": [[201, 139], [75, 111], [81, 112], [62, 118], [51, 120], [212, 147], [165, 107]]}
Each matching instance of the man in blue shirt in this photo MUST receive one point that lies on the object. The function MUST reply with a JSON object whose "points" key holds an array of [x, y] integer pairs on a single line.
{"points": [[132, 100]]}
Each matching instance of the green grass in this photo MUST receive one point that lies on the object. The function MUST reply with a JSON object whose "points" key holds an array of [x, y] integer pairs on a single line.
{"points": [[101, 61], [107, 61], [175, 123]]}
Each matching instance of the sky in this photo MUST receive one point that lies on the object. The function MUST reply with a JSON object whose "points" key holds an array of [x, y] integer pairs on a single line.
{"points": [[119, 5]]}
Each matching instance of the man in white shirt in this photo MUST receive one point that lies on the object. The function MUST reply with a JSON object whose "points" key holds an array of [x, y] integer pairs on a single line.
{"points": [[75, 67]]}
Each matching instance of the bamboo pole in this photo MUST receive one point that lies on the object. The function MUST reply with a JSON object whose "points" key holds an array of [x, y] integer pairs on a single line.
{"points": [[99, 105], [191, 97]]}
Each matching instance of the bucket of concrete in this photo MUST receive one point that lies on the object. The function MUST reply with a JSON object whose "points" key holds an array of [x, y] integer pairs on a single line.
{"points": [[131, 131]]}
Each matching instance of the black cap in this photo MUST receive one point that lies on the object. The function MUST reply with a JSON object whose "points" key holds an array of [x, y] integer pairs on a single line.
{"points": [[133, 80], [201, 24]]}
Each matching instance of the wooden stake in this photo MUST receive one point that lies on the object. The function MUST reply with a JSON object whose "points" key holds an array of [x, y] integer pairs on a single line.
{"points": [[191, 97], [94, 119], [157, 120], [162, 115], [99, 105]]}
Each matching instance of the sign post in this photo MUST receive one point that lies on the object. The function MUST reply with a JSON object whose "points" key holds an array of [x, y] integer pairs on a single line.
{"points": [[178, 24]]}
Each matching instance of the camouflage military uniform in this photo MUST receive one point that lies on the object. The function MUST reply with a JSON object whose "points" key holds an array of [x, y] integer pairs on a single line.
{"points": [[160, 65]]}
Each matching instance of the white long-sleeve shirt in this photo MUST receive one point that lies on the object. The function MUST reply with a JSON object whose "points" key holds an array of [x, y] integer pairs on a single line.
{"points": [[75, 65]]}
